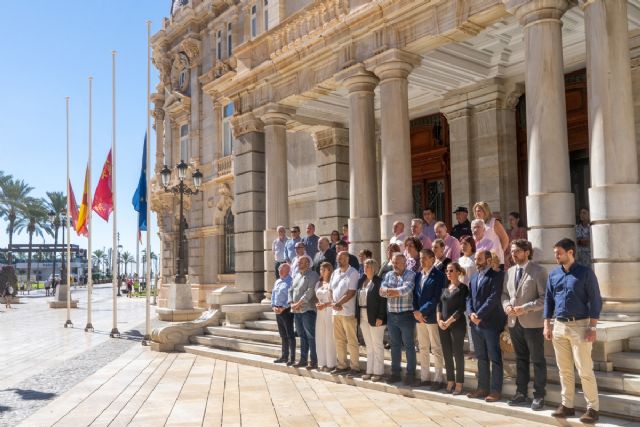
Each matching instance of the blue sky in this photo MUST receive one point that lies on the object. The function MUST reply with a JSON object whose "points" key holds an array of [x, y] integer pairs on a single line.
{"points": [[50, 50]]}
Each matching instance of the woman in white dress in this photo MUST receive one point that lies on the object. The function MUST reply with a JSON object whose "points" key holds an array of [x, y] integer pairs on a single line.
{"points": [[325, 344], [482, 211]]}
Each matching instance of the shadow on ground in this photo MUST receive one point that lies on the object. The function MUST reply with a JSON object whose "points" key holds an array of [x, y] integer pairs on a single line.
{"points": [[4, 408], [32, 394]]}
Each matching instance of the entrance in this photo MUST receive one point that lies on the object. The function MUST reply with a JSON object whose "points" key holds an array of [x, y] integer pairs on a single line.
{"points": [[430, 171], [578, 137]]}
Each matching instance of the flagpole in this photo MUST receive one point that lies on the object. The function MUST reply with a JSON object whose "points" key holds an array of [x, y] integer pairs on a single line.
{"points": [[68, 323], [147, 334], [114, 277], [89, 327]]}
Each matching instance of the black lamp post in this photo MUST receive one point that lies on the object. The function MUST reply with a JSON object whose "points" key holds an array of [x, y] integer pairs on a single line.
{"points": [[181, 189]]}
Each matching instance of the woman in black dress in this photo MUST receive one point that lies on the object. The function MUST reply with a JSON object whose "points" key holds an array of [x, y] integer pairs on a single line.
{"points": [[451, 320]]}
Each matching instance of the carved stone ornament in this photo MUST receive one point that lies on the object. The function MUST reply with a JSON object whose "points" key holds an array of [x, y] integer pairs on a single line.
{"points": [[329, 137], [225, 201], [180, 73], [246, 123], [163, 64], [190, 46]]}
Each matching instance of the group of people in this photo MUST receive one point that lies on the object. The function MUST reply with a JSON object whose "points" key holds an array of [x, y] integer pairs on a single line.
{"points": [[436, 286]]}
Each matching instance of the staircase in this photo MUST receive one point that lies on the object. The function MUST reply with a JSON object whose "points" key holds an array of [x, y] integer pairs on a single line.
{"points": [[258, 344]]}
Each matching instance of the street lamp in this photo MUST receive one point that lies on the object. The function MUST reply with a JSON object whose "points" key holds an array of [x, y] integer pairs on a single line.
{"points": [[181, 189]]}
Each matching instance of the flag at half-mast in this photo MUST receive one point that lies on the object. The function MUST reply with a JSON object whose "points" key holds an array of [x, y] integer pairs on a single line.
{"points": [[83, 215], [73, 207], [102, 202], [140, 196]]}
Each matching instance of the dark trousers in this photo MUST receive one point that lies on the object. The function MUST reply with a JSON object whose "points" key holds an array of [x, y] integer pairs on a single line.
{"points": [[402, 328], [306, 328], [487, 349], [276, 266], [287, 334], [528, 344], [452, 341]]}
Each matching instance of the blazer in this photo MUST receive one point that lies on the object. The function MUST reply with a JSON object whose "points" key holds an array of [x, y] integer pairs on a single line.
{"points": [[485, 298], [426, 298], [529, 294], [328, 256], [376, 305]]}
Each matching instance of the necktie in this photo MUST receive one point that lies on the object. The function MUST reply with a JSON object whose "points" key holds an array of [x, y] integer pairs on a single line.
{"points": [[518, 277]]}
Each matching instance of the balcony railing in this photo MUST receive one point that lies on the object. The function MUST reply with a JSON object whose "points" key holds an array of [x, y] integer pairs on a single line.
{"points": [[224, 165]]}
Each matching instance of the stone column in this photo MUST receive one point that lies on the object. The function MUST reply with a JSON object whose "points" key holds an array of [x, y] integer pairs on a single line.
{"points": [[249, 200], [332, 159], [275, 119], [393, 67], [614, 195], [459, 119], [550, 203], [364, 220]]}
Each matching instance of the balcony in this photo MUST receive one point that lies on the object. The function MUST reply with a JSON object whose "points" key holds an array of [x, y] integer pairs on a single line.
{"points": [[224, 165]]}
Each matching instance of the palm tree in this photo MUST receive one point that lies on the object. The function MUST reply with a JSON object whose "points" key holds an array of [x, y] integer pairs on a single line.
{"points": [[154, 258], [126, 258], [98, 258], [3, 178], [35, 216], [13, 199], [57, 205]]}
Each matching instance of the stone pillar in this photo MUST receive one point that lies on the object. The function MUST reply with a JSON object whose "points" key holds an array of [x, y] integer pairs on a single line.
{"points": [[275, 120], [249, 200], [459, 119], [332, 159], [550, 203], [364, 220], [614, 195], [393, 67]]}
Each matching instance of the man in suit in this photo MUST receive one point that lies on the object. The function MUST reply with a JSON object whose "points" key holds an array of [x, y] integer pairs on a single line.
{"points": [[325, 254], [523, 301], [487, 322], [429, 285]]}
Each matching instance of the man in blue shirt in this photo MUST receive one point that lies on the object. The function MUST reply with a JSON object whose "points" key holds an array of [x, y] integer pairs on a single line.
{"points": [[573, 299], [279, 249], [290, 246], [284, 317]]}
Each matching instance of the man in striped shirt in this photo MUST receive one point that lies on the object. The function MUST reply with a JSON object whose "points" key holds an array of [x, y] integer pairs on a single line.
{"points": [[397, 287]]}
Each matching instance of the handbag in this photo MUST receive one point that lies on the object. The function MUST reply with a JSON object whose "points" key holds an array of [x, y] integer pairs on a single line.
{"points": [[506, 346]]}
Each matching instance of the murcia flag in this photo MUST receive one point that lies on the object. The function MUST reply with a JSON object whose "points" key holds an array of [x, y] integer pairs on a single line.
{"points": [[103, 197], [83, 216]]}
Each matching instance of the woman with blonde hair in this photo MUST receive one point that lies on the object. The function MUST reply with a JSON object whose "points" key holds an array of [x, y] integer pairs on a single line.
{"points": [[482, 211], [325, 344]]}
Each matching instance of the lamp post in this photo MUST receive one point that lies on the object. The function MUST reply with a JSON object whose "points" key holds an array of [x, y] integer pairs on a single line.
{"points": [[181, 189]]}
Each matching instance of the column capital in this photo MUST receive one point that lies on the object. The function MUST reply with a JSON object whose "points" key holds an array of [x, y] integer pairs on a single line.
{"points": [[531, 11], [246, 123], [274, 114], [393, 64], [357, 79], [584, 3], [329, 137]]}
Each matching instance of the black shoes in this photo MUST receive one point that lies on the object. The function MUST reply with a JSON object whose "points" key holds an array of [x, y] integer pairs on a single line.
{"points": [[300, 364], [311, 366], [281, 360], [338, 371], [394, 379], [563, 412], [291, 362], [517, 399], [537, 404]]}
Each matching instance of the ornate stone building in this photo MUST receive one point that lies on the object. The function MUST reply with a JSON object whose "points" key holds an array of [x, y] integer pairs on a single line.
{"points": [[367, 111]]}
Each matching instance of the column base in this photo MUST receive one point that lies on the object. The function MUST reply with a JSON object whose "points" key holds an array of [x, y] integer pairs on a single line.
{"points": [[364, 233]]}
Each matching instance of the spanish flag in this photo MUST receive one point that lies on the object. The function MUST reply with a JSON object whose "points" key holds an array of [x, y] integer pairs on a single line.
{"points": [[103, 198], [81, 224], [73, 207]]}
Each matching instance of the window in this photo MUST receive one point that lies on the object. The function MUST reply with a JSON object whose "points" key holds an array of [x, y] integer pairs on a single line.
{"points": [[219, 45], [229, 40], [227, 134], [254, 21], [229, 243], [184, 143], [265, 11]]}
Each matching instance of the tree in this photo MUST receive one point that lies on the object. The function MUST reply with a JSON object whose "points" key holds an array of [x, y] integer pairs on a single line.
{"points": [[154, 258], [126, 258], [98, 258], [57, 205], [35, 215], [13, 200]]}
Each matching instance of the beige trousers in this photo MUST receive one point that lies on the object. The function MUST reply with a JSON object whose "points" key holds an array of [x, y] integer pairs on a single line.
{"points": [[344, 332], [572, 349], [429, 342]]}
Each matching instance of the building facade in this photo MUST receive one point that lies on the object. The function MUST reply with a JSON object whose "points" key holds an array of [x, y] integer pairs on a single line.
{"points": [[367, 111]]}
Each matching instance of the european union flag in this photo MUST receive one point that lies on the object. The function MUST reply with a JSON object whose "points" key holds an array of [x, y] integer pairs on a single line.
{"points": [[140, 196]]}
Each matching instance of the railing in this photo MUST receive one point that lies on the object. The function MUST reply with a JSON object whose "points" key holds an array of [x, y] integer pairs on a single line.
{"points": [[224, 165]]}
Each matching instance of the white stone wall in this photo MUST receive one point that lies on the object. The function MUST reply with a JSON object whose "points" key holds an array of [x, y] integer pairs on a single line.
{"points": [[302, 171]]}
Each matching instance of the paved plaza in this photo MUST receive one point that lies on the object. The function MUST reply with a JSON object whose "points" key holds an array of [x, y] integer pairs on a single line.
{"points": [[57, 376]]}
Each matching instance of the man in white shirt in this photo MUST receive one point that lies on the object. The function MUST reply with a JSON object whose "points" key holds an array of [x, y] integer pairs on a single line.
{"points": [[398, 235], [484, 242], [344, 284]]}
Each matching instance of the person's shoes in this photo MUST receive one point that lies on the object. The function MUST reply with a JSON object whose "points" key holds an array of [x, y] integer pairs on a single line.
{"points": [[435, 386], [493, 397], [590, 417], [458, 390], [477, 394], [387, 346], [537, 404], [300, 364], [563, 412], [409, 380], [352, 373], [338, 371], [291, 362], [311, 366], [366, 377], [281, 360], [517, 399], [376, 378], [394, 379]]}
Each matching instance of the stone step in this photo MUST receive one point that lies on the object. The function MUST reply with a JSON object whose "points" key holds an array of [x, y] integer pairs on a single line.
{"points": [[268, 343], [627, 361], [268, 315], [618, 405], [634, 344], [262, 325]]}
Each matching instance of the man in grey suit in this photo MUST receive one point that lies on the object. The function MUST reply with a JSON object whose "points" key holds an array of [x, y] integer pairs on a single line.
{"points": [[523, 302]]}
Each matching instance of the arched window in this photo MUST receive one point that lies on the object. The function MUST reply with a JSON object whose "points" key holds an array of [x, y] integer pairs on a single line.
{"points": [[229, 243]]}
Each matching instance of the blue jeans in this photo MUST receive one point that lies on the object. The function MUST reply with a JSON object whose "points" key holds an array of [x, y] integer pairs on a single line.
{"points": [[487, 349], [402, 327], [306, 329]]}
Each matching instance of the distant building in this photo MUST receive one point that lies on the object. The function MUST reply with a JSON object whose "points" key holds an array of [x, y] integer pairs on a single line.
{"points": [[42, 260]]}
